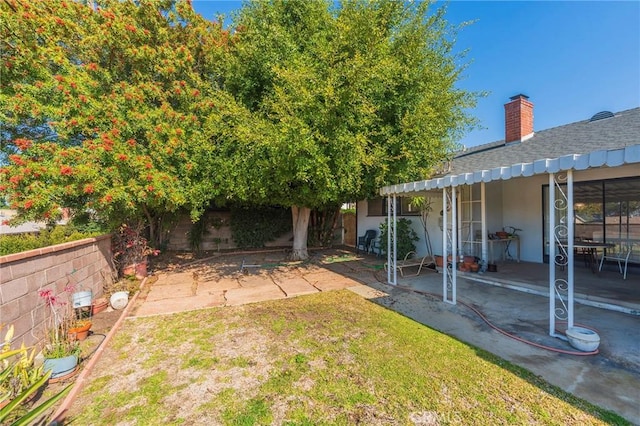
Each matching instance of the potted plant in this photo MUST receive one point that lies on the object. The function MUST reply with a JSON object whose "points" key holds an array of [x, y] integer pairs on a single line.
{"points": [[61, 349], [99, 305], [79, 329], [130, 251]]}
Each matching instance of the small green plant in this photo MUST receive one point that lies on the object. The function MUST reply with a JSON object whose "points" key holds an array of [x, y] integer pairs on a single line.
{"points": [[405, 237], [59, 318], [19, 380], [18, 369]]}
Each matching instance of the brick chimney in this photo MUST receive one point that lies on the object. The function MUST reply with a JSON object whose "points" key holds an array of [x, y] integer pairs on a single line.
{"points": [[518, 118]]}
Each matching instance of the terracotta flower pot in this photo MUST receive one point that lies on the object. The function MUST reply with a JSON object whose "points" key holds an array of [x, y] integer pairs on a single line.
{"points": [[469, 259], [81, 332], [99, 305], [139, 270], [438, 261]]}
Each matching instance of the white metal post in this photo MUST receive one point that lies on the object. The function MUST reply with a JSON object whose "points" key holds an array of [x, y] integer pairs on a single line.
{"points": [[454, 244], [483, 218], [445, 225], [395, 242], [570, 242], [552, 255], [389, 264]]}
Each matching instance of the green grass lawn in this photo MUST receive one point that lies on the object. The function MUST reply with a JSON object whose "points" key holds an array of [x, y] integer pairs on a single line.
{"points": [[329, 358]]}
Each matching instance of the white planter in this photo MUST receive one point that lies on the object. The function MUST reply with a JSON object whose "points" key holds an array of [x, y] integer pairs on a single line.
{"points": [[583, 339], [119, 299]]}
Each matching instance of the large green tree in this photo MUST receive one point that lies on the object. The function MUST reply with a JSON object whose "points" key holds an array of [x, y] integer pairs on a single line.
{"points": [[351, 97], [103, 107]]}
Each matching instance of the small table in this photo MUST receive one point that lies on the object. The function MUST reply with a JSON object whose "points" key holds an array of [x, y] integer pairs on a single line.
{"points": [[503, 245], [590, 251]]}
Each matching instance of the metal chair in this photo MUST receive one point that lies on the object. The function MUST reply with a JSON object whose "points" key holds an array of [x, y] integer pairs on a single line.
{"points": [[621, 256], [366, 240]]}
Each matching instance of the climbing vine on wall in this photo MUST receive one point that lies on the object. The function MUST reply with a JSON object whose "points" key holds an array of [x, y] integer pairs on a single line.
{"points": [[252, 228]]}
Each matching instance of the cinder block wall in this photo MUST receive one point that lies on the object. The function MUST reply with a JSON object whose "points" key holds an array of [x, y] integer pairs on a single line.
{"points": [[83, 263], [216, 238]]}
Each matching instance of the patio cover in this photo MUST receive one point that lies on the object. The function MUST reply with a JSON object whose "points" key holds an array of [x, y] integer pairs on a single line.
{"points": [[550, 166]]}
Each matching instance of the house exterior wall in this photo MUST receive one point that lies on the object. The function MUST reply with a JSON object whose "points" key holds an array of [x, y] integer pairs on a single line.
{"points": [[515, 202], [373, 222], [522, 205], [84, 263]]}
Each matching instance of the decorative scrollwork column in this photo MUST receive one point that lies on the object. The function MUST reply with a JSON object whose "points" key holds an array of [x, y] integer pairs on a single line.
{"points": [[449, 245], [560, 250], [392, 272]]}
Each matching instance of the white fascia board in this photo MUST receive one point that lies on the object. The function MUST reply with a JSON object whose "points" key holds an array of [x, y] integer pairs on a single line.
{"points": [[615, 158], [594, 159], [597, 158], [632, 154]]}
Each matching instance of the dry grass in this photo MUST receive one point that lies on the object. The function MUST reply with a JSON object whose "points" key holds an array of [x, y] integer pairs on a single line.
{"points": [[329, 358]]}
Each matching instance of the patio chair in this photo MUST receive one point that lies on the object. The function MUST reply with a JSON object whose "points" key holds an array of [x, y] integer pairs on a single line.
{"points": [[621, 256], [366, 240], [376, 247], [410, 261]]}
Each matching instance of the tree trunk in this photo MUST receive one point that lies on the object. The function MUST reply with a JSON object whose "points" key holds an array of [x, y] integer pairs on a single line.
{"points": [[300, 232]]}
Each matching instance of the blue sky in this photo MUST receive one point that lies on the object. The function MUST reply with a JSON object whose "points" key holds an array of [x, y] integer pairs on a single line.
{"points": [[572, 58]]}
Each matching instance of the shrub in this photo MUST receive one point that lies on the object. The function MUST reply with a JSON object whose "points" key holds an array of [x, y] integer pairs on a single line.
{"points": [[252, 228], [405, 237], [17, 243]]}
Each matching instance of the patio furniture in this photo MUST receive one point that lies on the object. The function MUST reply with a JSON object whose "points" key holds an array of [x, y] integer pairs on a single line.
{"points": [[502, 250], [410, 261], [620, 256], [366, 240], [376, 247], [589, 251]]}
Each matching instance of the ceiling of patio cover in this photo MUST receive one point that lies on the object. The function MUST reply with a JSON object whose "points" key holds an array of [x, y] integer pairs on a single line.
{"points": [[595, 159]]}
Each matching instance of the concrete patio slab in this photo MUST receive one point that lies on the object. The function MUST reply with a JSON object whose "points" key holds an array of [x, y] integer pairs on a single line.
{"points": [[223, 284], [240, 296], [179, 304], [255, 280], [327, 280], [296, 286], [178, 278]]}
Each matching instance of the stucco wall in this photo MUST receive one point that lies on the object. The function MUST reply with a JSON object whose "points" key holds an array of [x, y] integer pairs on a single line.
{"points": [[84, 264], [515, 202], [365, 222]]}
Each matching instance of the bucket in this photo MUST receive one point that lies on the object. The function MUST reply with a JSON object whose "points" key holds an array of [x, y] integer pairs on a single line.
{"points": [[82, 299]]}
